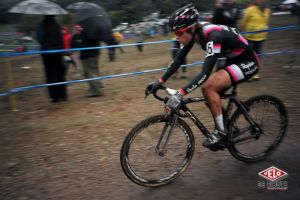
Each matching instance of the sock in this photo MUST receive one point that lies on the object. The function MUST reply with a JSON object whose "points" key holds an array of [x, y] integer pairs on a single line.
{"points": [[219, 122]]}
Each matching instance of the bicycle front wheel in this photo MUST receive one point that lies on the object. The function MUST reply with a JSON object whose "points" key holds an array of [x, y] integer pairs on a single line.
{"points": [[270, 115], [140, 159]]}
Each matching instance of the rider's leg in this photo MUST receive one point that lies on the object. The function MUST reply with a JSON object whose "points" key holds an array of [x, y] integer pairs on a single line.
{"points": [[220, 81], [216, 83]]}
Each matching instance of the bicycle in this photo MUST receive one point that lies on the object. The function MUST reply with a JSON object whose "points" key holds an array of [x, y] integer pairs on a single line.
{"points": [[160, 148]]}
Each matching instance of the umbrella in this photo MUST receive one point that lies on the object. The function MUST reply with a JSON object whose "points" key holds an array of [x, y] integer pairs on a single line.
{"points": [[94, 20], [38, 7], [83, 5]]}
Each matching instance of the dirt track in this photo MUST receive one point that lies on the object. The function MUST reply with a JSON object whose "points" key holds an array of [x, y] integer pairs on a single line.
{"points": [[71, 150]]}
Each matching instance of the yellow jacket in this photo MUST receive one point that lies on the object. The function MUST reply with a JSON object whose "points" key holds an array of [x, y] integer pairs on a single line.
{"points": [[255, 20]]}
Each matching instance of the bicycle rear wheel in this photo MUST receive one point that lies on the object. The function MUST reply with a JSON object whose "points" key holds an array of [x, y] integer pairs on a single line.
{"points": [[271, 116], [140, 159]]}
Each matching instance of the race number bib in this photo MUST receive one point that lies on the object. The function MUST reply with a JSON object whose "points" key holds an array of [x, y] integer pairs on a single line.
{"points": [[209, 49]]}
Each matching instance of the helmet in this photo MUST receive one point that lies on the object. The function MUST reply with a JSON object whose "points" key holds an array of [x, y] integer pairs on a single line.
{"points": [[183, 18]]}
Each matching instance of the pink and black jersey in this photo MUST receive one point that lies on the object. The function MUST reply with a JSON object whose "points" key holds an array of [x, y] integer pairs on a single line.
{"points": [[219, 41], [224, 40]]}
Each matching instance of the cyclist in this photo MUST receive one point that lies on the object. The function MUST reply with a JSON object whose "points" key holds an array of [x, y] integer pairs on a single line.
{"points": [[217, 41]]}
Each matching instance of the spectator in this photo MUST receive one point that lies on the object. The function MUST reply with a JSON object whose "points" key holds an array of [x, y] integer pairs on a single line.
{"points": [[256, 18], [165, 28], [226, 13], [89, 59], [175, 49], [117, 39], [49, 35], [140, 39], [21, 48], [68, 58]]}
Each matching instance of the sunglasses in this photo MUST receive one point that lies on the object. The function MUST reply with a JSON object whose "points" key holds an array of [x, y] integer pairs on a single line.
{"points": [[181, 31]]}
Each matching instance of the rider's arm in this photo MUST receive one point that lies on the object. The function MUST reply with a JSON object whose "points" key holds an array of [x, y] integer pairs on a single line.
{"points": [[213, 50], [178, 60], [202, 77]]}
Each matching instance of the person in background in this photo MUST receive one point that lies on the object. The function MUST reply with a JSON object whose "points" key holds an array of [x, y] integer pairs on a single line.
{"points": [[117, 38], [226, 13], [49, 35], [68, 58], [89, 60], [21, 48], [175, 49], [165, 29], [256, 18], [140, 35]]}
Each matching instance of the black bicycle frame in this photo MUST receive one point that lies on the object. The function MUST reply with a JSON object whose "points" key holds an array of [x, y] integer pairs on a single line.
{"points": [[188, 113], [232, 98]]}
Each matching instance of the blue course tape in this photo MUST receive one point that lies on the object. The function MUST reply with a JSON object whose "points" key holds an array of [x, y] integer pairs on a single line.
{"points": [[25, 88], [80, 49], [291, 27], [293, 51]]}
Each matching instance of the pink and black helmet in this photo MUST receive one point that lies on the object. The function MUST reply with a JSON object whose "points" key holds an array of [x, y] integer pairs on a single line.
{"points": [[183, 18]]}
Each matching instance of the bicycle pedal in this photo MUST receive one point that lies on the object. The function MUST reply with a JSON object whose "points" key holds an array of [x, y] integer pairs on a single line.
{"points": [[221, 146], [217, 147], [213, 148]]}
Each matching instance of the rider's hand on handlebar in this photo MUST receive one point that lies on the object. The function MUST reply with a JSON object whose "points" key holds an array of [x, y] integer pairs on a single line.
{"points": [[175, 100], [152, 87]]}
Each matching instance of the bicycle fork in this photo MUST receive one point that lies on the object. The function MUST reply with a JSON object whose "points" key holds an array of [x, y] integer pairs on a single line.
{"points": [[161, 147]]}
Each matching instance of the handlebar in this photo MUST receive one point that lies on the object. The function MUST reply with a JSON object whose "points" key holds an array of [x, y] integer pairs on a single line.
{"points": [[169, 91]]}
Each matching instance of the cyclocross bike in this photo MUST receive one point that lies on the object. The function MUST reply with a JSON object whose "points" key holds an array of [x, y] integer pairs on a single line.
{"points": [[160, 148]]}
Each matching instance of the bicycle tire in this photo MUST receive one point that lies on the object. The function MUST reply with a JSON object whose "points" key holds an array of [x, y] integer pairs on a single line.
{"points": [[280, 122], [127, 160]]}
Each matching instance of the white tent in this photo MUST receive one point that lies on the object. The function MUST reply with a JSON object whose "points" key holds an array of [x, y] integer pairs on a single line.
{"points": [[290, 1], [27, 38]]}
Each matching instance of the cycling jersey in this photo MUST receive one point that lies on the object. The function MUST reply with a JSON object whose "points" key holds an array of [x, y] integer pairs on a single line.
{"points": [[218, 41]]}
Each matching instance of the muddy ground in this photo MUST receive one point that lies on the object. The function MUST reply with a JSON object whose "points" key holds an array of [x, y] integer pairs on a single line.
{"points": [[70, 150]]}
